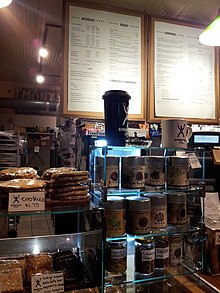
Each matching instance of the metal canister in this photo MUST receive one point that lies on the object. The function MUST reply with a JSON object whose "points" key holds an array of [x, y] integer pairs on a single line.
{"points": [[176, 208], [154, 170], [161, 252], [178, 172], [115, 216], [116, 256], [158, 210], [176, 246], [138, 215], [132, 172], [144, 256], [110, 172]]}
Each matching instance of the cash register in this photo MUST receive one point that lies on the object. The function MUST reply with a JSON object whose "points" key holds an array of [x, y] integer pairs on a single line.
{"points": [[209, 141]]}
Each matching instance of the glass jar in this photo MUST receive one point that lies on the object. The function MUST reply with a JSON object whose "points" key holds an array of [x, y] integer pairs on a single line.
{"points": [[161, 252], [176, 208], [115, 216], [116, 256], [144, 256], [138, 215], [158, 210], [132, 172], [175, 245]]}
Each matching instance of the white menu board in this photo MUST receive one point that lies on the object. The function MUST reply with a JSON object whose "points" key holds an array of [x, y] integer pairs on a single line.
{"points": [[104, 53], [184, 73]]}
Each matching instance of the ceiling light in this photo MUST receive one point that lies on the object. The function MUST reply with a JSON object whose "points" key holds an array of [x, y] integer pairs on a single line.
{"points": [[4, 3], [43, 52], [211, 35], [40, 78]]}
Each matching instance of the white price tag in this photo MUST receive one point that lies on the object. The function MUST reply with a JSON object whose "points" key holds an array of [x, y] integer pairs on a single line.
{"points": [[26, 201], [48, 283], [194, 161]]}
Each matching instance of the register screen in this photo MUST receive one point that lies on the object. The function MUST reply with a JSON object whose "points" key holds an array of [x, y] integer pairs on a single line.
{"points": [[206, 139]]}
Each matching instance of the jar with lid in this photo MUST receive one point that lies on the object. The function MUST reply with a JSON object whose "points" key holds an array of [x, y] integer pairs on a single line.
{"points": [[116, 256], [138, 216], [176, 208], [178, 172], [132, 172], [154, 170], [115, 216], [158, 210], [144, 256], [111, 171], [161, 252], [175, 245]]}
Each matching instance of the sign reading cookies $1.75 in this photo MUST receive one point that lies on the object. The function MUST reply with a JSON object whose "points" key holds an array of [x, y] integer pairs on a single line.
{"points": [[26, 201]]}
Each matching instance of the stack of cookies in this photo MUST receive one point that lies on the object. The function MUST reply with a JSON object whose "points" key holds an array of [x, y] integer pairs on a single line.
{"points": [[66, 184]]}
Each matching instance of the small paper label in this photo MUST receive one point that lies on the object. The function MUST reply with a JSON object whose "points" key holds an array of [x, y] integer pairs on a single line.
{"points": [[36, 149], [47, 283], [194, 161], [26, 201]]}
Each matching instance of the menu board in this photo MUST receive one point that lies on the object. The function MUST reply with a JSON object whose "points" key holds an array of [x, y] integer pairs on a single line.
{"points": [[104, 51], [183, 73]]}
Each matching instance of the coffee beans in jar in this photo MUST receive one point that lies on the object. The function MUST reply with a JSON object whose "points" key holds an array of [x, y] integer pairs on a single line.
{"points": [[132, 172], [176, 208], [161, 252], [116, 256], [175, 245], [144, 256], [158, 210], [138, 216], [115, 216]]}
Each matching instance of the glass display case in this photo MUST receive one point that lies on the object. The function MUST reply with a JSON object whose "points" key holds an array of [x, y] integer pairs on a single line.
{"points": [[154, 212]]}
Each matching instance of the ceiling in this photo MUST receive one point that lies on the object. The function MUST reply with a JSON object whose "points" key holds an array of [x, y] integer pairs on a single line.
{"points": [[26, 24]]}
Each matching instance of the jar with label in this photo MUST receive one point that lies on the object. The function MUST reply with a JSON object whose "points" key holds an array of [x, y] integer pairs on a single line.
{"points": [[176, 208], [154, 170], [116, 256], [138, 215], [178, 172], [132, 172], [115, 216], [161, 252], [109, 173], [144, 256], [175, 245], [158, 210]]}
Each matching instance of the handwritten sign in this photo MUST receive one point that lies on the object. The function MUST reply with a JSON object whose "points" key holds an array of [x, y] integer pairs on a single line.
{"points": [[26, 201], [47, 283]]}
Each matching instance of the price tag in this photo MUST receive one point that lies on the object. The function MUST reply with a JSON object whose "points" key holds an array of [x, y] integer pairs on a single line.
{"points": [[194, 161], [26, 201], [49, 283]]}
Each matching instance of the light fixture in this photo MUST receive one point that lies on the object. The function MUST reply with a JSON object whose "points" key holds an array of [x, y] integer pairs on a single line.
{"points": [[211, 35], [40, 78], [43, 52], [4, 3]]}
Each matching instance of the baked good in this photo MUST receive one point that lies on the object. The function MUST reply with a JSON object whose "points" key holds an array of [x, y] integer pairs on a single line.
{"points": [[48, 172], [15, 173], [11, 280], [23, 184], [38, 263]]}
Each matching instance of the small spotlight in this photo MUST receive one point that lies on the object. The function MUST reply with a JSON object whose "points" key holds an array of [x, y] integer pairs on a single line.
{"points": [[43, 52], [40, 78], [4, 3]]}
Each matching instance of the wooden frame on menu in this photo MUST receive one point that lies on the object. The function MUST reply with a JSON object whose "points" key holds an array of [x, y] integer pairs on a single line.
{"points": [[104, 49], [183, 74]]}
